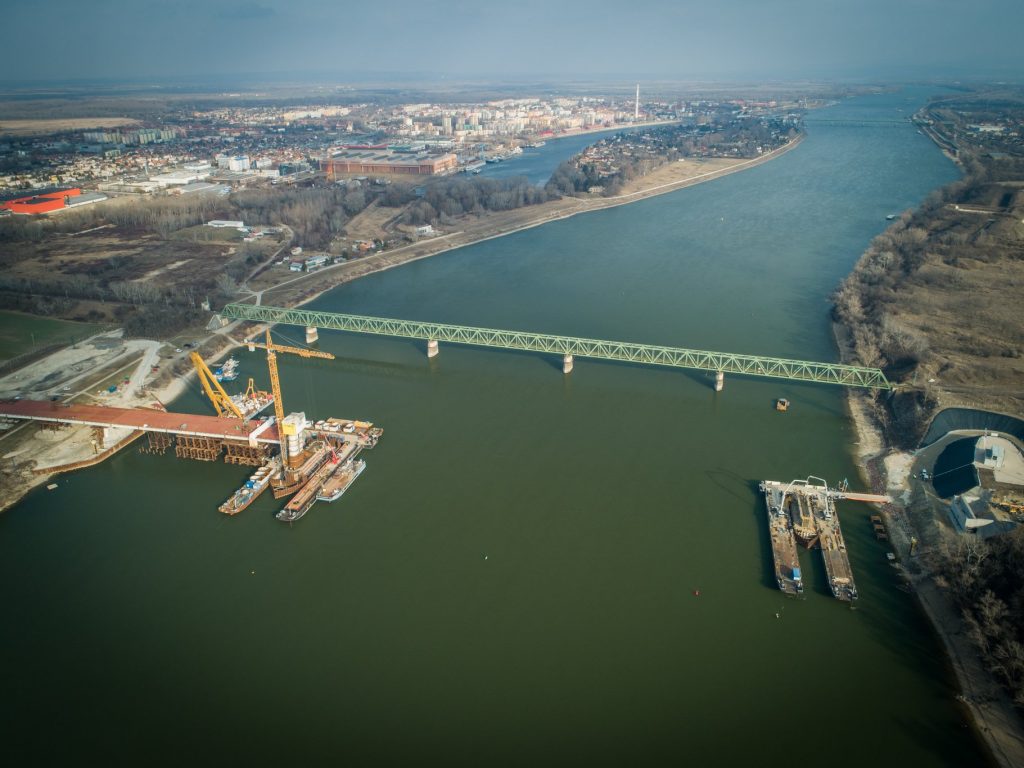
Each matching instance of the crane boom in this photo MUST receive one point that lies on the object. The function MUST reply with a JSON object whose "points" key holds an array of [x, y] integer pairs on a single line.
{"points": [[221, 402], [301, 352]]}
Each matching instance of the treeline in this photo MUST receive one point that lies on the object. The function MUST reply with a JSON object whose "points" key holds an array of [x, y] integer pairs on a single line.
{"points": [[315, 214], [865, 299], [986, 578], [572, 177], [868, 303], [637, 154], [145, 309], [163, 215], [447, 198]]}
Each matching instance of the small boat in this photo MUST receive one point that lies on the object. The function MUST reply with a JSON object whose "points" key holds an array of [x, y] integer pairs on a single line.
{"points": [[890, 217], [340, 480], [250, 490], [228, 371], [782, 404]]}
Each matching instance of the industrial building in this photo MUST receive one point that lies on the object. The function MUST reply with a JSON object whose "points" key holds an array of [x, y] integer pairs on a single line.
{"points": [[181, 177], [51, 202], [365, 160]]}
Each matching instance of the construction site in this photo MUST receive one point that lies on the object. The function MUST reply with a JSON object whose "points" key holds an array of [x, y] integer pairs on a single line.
{"points": [[295, 457], [804, 511]]}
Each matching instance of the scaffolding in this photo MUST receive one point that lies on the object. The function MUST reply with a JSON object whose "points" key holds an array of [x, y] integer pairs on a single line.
{"points": [[245, 454], [198, 448], [158, 443]]}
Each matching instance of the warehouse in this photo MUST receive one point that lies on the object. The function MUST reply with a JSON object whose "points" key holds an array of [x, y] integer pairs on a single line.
{"points": [[375, 160]]}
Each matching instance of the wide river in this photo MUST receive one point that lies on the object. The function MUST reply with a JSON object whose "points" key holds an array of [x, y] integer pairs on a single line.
{"points": [[515, 577]]}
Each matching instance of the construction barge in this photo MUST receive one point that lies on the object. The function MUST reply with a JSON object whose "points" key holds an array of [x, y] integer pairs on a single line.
{"points": [[783, 540], [804, 511], [312, 460], [251, 489]]}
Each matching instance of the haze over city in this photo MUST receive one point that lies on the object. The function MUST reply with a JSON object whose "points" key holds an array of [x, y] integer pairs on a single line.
{"points": [[733, 39]]}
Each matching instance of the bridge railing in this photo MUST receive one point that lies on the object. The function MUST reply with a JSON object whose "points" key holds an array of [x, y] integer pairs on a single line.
{"points": [[649, 354]]}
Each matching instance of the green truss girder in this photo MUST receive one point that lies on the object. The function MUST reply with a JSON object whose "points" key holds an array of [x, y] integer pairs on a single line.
{"points": [[648, 354]]}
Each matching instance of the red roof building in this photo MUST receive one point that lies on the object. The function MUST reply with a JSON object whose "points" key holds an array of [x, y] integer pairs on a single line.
{"points": [[44, 203]]}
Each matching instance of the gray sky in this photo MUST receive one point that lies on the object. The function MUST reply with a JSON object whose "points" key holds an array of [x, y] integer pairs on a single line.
{"points": [[671, 39]]}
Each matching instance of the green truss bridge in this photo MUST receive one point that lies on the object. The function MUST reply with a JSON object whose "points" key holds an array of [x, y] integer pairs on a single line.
{"points": [[569, 347]]}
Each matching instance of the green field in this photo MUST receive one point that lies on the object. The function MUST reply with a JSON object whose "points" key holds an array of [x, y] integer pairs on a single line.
{"points": [[23, 333]]}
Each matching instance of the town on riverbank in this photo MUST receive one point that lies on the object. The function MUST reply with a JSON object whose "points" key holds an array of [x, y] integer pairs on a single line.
{"points": [[260, 280], [155, 260]]}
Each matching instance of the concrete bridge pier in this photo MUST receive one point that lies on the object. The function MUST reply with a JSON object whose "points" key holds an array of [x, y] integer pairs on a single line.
{"points": [[567, 364], [719, 381], [311, 334], [432, 348]]}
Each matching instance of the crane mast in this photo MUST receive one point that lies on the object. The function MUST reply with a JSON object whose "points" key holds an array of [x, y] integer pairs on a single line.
{"points": [[275, 387]]}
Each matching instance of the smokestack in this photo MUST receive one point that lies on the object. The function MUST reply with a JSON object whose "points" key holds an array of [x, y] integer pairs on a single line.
{"points": [[636, 109]]}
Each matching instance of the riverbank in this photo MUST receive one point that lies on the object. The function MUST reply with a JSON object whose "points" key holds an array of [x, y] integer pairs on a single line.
{"points": [[174, 380], [668, 178], [884, 469], [994, 717], [83, 371]]}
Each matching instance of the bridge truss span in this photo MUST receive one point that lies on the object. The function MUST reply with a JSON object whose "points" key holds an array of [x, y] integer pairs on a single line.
{"points": [[568, 346]]}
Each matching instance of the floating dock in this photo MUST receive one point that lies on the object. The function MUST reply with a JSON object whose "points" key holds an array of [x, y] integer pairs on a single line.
{"points": [[805, 511], [783, 540]]}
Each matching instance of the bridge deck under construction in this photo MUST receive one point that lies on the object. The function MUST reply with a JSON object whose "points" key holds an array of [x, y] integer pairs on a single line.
{"points": [[142, 419]]}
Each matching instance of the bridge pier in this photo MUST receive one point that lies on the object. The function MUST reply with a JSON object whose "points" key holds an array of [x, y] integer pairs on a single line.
{"points": [[567, 364], [719, 381], [311, 334], [629, 352]]}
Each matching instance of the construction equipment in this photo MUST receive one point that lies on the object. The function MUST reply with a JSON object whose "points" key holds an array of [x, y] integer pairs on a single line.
{"points": [[275, 388], [1013, 506], [275, 380], [222, 403], [300, 351]]}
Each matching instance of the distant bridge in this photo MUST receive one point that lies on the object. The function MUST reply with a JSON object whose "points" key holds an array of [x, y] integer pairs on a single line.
{"points": [[569, 347]]}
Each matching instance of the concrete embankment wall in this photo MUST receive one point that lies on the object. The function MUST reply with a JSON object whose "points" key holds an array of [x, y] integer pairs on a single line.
{"points": [[969, 418]]}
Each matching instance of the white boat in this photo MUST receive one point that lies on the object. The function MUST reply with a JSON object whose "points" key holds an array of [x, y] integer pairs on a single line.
{"points": [[340, 480], [228, 371]]}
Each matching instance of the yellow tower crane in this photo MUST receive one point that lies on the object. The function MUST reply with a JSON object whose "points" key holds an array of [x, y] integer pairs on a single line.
{"points": [[222, 404], [275, 380]]}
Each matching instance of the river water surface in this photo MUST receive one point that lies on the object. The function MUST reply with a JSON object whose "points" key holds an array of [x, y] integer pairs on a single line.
{"points": [[513, 578]]}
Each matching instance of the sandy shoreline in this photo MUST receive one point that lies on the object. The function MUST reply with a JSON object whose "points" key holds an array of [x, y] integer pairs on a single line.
{"points": [[994, 718], [504, 223]]}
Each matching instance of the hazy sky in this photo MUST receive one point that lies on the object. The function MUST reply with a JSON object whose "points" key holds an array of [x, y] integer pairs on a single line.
{"points": [[670, 39]]}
